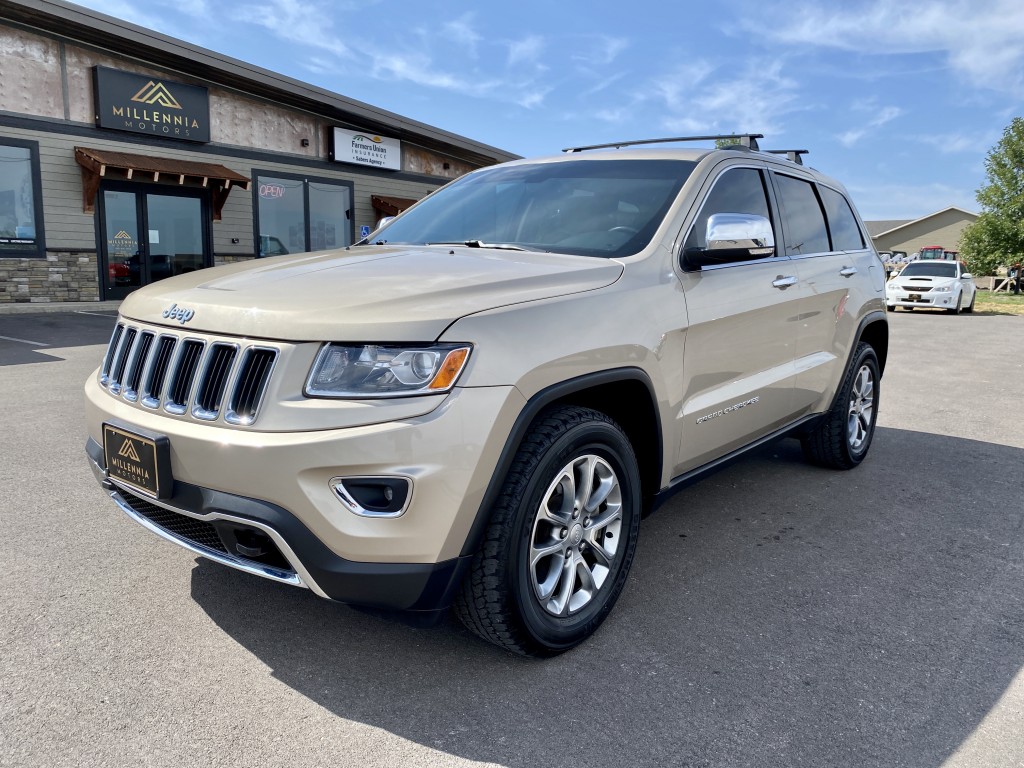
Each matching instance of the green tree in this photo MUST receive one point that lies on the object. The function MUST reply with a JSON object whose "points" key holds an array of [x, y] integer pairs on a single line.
{"points": [[997, 237]]}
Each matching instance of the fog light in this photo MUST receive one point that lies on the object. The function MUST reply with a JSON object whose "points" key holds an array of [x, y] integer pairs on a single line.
{"points": [[373, 496]]}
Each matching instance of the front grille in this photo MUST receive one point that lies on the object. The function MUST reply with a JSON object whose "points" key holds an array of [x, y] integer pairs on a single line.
{"points": [[917, 288], [252, 383], [215, 379], [187, 376], [184, 527], [184, 376]]}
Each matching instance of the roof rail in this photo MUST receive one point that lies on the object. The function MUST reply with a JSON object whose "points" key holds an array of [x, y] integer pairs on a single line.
{"points": [[793, 155], [746, 140]]}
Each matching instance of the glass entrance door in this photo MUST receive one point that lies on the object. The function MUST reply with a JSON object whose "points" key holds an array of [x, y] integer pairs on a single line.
{"points": [[147, 236]]}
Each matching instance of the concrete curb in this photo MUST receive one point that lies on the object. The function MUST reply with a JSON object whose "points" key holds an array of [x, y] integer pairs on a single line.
{"points": [[31, 308]]}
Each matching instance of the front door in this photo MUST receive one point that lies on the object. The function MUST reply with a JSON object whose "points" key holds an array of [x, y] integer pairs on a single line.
{"points": [[147, 235]]}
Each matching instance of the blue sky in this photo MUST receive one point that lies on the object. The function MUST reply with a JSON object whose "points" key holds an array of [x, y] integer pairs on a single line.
{"points": [[900, 101]]}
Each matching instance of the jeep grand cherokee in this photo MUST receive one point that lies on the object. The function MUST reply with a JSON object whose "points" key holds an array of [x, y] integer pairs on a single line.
{"points": [[475, 406]]}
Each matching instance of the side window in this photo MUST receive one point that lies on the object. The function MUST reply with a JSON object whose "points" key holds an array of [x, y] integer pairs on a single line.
{"points": [[738, 190], [842, 224], [802, 217]]}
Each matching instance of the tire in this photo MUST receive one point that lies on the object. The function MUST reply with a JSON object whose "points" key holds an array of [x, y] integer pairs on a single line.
{"points": [[956, 310], [970, 307], [539, 587], [842, 438], [890, 307]]}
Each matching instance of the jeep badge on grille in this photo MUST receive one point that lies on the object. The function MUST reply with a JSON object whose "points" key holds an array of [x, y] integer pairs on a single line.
{"points": [[182, 315]]}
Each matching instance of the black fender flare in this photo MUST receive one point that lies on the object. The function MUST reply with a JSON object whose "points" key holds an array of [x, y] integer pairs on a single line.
{"points": [[533, 407]]}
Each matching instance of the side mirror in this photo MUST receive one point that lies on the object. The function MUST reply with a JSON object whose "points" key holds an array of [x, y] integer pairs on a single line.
{"points": [[966, 276], [382, 221], [732, 237]]}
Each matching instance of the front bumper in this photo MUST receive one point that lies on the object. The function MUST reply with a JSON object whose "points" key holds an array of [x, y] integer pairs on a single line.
{"points": [[926, 300], [207, 523]]}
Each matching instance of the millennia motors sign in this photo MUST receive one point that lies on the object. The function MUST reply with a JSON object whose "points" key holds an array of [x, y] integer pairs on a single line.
{"points": [[126, 101], [365, 148]]}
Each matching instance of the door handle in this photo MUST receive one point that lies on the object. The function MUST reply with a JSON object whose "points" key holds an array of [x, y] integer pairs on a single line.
{"points": [[784, 282], [848, 271]]}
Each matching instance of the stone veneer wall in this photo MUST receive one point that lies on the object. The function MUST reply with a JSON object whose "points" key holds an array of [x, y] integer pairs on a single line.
{"points": [[61, 276]]}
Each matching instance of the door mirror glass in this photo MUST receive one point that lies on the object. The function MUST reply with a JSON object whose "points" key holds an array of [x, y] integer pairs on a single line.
{"points": [[732, 237]]}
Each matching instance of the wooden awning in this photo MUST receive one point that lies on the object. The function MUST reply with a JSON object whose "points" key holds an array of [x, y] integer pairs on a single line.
{"points": [[99, 164], [390, 206]]}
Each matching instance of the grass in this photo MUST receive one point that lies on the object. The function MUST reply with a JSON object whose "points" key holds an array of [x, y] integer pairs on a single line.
{"points": [[999, 303]]}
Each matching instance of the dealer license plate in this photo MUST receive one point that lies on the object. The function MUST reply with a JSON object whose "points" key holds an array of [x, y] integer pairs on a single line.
{"points": [[141, 462], [915, 297]]}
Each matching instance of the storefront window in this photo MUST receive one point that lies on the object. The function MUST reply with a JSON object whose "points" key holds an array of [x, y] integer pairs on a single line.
{"points": [[20, 219], [296, 214]]}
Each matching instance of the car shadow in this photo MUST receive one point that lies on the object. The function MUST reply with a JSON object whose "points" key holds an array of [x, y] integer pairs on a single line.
{"points": [[31, 338], [777, 614]]}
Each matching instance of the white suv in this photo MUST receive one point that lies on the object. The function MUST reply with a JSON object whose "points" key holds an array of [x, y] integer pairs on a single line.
{"points": [[475, 406]]}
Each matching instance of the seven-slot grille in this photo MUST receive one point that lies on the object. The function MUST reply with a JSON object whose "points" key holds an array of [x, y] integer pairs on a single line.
{"points": [[187, 375]]}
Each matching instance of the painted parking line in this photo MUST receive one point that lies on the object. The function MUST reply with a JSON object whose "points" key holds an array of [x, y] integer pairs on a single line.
{"points": [[24, 341]]}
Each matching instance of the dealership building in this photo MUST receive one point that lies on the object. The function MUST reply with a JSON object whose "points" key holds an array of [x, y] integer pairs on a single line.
{"points": [[127, 156]]}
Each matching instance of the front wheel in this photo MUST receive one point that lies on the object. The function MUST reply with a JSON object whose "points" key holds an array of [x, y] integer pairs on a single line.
{"points": [[842, 438], [561, 538], [956, 310], [970, 307]]}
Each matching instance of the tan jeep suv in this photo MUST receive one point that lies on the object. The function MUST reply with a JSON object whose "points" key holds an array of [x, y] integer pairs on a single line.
{"points": [[476, 405]]}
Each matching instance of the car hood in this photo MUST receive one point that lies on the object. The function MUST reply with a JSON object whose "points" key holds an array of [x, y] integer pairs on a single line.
{"points": [[924, 281], [368, 293]]}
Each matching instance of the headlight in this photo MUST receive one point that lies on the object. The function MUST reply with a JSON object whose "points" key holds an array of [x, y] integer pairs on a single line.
{"points": [[941, 288], [375, 370]]}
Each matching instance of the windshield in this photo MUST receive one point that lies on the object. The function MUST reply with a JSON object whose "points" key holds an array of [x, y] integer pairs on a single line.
{"points": [[585, 207], [931, 269]]}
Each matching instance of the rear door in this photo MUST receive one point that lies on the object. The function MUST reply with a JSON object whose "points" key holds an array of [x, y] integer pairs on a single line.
{"points": [[829, 253]]}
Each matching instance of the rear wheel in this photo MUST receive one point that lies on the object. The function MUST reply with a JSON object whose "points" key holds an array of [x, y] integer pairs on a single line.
{"points": [[842, 438], [970, 307], [561, 538]]}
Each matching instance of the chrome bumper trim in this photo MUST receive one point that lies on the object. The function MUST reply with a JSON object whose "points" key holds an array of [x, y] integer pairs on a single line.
{"points": [[300, 578]]}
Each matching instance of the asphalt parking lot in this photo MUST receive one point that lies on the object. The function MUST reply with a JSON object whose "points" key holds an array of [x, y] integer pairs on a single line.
{"points": [[777, 614]]}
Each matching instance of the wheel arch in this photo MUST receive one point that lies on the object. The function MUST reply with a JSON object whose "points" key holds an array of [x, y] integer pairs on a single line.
{"points": [[624, 394], [874, 330]]}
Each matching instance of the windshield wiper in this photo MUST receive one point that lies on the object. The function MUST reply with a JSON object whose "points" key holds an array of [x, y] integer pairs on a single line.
{"points": [[482, 244]]}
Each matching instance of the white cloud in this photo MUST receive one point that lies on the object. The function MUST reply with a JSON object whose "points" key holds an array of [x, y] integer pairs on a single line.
{"points": [[299, 21], [532, 99], [604, 84], [882, 116], [982, 40], [700, 97], [602, 50], [525, 51], [849, 138], [461, 32], [956, 143], [885, 115]]}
